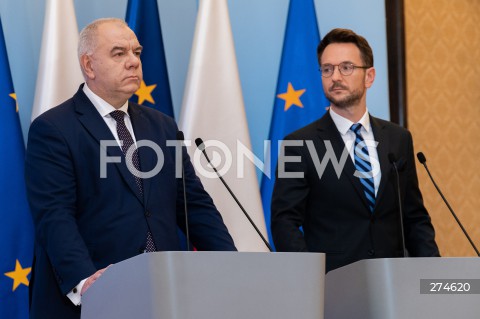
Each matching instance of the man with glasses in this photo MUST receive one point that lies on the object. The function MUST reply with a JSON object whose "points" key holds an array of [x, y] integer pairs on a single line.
{"points": [[349, 208]]}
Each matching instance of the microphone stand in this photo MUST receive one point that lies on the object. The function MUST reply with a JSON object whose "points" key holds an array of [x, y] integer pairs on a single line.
{"points": [[201, 147], [423, 161], [391, 157], [181, 138]]}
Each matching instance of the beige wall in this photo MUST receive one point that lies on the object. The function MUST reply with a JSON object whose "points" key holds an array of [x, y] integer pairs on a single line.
{"points": [[443, 96]]}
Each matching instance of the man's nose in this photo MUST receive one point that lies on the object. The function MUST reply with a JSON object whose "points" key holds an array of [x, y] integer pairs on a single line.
{"points": [[133, 60]]}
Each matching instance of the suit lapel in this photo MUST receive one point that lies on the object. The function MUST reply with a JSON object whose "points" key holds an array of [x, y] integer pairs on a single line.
{"points": [[381, 136], [328, 132], [143, 132], [95, 125]]}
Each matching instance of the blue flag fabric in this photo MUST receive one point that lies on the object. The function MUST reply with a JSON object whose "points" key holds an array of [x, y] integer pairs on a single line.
{"points": [[300, 99], [143, 18], [16, 229]]}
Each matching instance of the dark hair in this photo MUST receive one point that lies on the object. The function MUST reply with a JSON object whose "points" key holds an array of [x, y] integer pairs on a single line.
{"points": [[347, 36]]}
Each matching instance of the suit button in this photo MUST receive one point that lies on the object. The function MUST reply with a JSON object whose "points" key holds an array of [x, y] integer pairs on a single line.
{"points": [[371, 252], [147, 213]]}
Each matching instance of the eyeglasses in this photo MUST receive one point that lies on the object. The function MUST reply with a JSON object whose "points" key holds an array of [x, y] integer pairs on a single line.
{"points": [[345, 68]]}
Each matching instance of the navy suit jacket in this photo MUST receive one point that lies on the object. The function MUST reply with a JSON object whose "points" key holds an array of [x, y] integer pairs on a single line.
{"points": [[84, 222], [333, 210]]}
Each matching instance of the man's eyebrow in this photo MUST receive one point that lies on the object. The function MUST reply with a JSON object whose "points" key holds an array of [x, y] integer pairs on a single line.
{"points": [[118, 48], [123, 49]]}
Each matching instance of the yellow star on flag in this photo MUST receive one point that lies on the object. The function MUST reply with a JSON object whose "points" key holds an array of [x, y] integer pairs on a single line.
{"points": [[14, 96], [291, 97], [144, 93], [19, 275]]}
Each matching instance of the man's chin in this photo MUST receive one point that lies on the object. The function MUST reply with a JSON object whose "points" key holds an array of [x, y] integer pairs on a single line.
{"points": [[343, 103], [339, 103], [132, 88]]}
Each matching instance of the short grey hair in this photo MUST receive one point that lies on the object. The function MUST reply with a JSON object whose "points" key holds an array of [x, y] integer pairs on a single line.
{"points": [[86, 41]]}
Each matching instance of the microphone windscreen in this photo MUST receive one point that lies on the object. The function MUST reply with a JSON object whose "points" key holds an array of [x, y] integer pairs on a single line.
{"points": [[421, 157], [200, 144], [391, 158], [180, 136], [401, 164]]}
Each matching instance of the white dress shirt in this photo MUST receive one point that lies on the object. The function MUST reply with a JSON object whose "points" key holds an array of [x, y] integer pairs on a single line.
{"points": [[105, 109]]}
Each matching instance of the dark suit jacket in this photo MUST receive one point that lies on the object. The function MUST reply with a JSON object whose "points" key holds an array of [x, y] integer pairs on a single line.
{"points": [[333, 211], [83, 222]]}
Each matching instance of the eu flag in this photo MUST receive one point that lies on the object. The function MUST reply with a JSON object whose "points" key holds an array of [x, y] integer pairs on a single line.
{"points": [[16, 229], [300, 99], [144, 20]]}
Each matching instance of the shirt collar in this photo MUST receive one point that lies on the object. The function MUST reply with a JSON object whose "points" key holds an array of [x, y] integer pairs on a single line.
{"points": [[102, 106], [343, 124]]}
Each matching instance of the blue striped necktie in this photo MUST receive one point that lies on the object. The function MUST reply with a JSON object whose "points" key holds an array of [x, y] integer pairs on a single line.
{"points": [[363, 166]]}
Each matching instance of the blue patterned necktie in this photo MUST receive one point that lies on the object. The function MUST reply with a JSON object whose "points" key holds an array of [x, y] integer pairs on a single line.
{"points": [[125, 136], [363, 166]]}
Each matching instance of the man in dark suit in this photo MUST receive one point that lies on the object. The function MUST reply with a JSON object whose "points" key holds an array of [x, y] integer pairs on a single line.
{"points": [[91, 207], [349, 208]]}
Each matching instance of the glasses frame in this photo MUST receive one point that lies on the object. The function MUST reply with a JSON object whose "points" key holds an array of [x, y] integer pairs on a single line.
{"points": [[340, 70]]}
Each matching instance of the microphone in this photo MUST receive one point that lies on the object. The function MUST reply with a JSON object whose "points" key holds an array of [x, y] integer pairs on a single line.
{"points": [[423, 161], [201, 147], [181, 138], [393, 161]]}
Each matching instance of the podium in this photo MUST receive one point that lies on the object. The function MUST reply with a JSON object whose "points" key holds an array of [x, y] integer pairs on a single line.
{"points": [[399, 288], [210, 285]]}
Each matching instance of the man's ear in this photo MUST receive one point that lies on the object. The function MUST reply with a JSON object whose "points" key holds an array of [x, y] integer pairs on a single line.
{"points": [[87, 67], [369, 77]]}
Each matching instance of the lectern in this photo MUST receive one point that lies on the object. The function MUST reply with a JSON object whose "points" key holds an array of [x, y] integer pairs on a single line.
{"points": [[210, 285], [400, 288]]}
